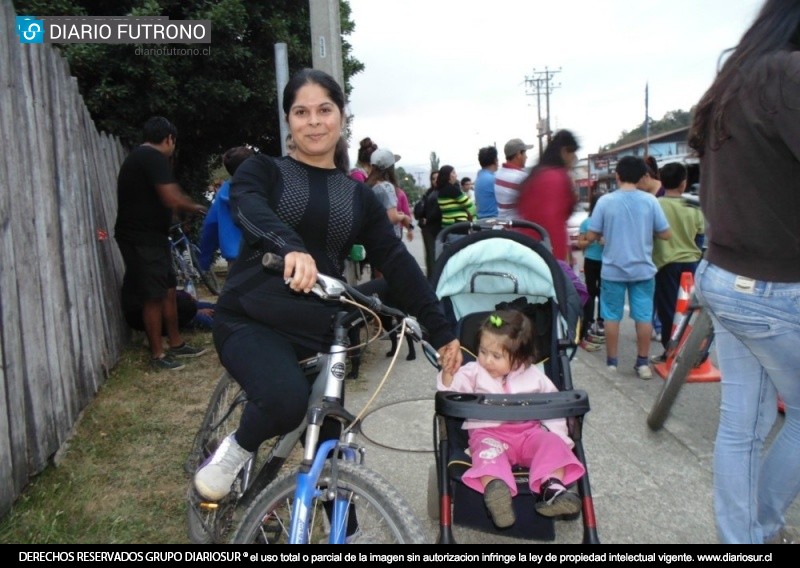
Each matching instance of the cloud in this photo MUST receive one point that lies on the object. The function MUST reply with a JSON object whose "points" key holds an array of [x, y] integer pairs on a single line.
{"points": [[450, 76]]}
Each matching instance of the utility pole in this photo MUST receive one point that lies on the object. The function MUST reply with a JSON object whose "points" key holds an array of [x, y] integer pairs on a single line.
{"points": [[281, 78], [326, 38], [539, 83]]}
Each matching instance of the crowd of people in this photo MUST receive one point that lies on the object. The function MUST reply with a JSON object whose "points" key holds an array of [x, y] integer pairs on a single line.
{"points": [[637, 242]]}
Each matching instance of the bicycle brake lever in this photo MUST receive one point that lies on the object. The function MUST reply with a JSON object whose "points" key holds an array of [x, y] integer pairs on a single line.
{"points": [[431, 354], [413, 328]]}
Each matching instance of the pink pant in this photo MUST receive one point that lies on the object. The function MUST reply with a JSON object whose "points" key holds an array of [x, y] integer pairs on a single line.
{"points": [[495, 450]]}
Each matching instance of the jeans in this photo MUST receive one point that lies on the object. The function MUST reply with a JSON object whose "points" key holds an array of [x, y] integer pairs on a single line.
{"points": [[757, 335]]}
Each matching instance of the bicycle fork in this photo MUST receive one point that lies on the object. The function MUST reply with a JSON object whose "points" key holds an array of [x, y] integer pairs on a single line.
{"points": [[308, 490]]}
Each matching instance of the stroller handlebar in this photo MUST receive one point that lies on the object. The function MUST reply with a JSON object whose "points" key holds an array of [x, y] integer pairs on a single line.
{"points": [[493, 224]]}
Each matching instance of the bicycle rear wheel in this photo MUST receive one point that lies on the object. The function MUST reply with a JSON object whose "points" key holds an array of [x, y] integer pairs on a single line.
{"points": [[690, 354], [209, 523], [383, 517]]}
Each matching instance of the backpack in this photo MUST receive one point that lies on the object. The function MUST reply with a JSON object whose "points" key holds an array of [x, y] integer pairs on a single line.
{"points": [[419, 209], [426, 210]]}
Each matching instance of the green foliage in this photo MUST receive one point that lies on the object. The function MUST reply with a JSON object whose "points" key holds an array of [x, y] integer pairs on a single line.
{"points": [[217, 100], [409, 185], [672, 120]]}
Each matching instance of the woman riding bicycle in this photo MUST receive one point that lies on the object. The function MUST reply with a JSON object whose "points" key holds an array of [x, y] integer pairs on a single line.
{"points": [[309, 212]]}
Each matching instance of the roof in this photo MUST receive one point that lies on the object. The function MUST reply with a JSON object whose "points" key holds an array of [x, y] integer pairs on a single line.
{"points": [[641, 141]]}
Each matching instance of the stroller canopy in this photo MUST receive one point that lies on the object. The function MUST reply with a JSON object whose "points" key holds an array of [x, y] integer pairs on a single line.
{"points": [[485, 268]]}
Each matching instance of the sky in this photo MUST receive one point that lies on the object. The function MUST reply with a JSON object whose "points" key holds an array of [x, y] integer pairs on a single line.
{"points": [[449, 76]]}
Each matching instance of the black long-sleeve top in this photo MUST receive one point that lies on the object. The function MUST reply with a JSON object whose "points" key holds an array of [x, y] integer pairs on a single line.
{"points": [[284, 206]]}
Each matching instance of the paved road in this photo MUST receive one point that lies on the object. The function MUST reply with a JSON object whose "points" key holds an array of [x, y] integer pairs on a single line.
{"points": [[648, 487]]}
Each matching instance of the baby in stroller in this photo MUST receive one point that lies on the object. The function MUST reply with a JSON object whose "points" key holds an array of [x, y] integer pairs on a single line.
{"points": [[505, 365]]}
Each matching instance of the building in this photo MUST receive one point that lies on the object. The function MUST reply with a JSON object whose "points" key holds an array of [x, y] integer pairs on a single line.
{"points": [[666, 147]]}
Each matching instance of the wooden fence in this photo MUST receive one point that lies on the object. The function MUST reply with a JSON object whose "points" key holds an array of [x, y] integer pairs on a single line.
{"points": [[60, 271]]}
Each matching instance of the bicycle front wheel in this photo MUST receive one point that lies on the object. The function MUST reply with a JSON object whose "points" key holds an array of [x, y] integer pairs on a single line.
{"points": [[689, 355], [382, 515]]}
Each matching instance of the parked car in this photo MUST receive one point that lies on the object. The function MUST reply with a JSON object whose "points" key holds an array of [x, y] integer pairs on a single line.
{"points": [[574, 223]]}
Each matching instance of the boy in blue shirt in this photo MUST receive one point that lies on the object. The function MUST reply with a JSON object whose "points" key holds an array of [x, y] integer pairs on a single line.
{"points": [[627, 219], [219, 230]]}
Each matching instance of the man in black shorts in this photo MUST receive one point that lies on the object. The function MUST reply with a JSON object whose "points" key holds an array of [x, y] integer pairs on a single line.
{"points": [[147, 196]]}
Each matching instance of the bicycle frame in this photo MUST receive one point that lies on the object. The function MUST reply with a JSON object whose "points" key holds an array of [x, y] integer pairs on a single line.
{"points": [[317, 454], [287, 442], [679, 333], [180, 246]]}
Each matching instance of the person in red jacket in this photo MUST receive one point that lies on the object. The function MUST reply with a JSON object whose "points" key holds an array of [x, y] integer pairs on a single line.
{"points": [[547, 195]]}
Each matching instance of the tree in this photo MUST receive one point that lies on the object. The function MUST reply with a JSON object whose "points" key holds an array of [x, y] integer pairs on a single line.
{"points": [[219, 99], [408, 184]]}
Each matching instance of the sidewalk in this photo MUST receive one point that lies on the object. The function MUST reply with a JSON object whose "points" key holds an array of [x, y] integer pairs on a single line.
{"points": [[648, 487]]}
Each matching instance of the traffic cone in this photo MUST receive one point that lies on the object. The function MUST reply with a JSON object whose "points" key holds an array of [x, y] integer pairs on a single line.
{"points": [[681, 312], [705, 372]]}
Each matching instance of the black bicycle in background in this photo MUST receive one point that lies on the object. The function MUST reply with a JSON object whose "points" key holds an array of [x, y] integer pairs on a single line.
{"points": [[688, 347], [185, 260]]}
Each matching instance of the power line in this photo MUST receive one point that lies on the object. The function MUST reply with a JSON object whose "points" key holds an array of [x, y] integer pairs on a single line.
{"points": [[540, 83]]}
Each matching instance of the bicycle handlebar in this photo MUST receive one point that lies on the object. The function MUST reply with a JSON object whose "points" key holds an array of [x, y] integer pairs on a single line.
{"points": [[330, 288]]}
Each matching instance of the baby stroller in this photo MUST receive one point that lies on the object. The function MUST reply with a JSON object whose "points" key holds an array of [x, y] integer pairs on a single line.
{"points": [[489, 266]]}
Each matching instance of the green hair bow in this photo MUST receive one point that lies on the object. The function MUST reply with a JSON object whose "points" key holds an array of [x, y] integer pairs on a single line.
{"points": [[496, 321]]}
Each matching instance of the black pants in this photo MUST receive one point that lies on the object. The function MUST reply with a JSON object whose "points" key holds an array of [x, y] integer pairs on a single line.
{"points": [[264, 363], [429, 240], [668, 282], [591, 275]]}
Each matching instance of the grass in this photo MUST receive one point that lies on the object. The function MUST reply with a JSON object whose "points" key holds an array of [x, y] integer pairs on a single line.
{"points": [[120, 480]]}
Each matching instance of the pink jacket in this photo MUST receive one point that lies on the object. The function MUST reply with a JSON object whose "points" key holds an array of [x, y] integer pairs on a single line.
{"points": [[472, 378]]}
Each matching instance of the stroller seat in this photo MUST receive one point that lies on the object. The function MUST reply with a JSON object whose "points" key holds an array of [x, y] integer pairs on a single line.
{"points": [[480, 273], [468, 506]]}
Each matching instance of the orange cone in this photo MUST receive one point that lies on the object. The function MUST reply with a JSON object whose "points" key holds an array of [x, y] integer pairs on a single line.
{"points": [[705, 372], [681, 312], [681, 305]]}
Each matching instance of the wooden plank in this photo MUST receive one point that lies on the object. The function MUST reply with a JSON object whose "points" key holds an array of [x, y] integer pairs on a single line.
{"points": [[67, 408], [48, 235], [90, 333], [14, 472], [41, 429]]}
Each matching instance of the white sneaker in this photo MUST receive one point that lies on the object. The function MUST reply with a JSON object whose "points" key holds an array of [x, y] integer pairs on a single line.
{"points": [[644, 372], [215, 477], [612, 368]]}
